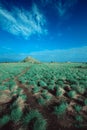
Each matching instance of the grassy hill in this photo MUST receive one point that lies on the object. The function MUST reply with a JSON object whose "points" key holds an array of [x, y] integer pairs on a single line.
{"points": [[30, 60]]}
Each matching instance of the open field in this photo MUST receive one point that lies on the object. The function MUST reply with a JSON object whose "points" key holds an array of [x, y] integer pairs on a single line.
{"points": [[43, 96]]}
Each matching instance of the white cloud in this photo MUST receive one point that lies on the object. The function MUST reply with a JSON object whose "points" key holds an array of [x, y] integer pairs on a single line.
{"points": [[22, 22], [63, 7], [73, 55]]}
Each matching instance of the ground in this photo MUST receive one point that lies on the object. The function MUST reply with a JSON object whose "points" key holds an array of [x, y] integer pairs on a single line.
{"points": [[57, 91]]}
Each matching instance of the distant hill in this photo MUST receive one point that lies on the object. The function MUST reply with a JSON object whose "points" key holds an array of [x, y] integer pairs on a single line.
{"points": [[30, 60]]}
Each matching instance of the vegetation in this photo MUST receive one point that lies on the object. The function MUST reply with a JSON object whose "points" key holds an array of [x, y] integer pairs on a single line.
{"points": [[79, 118], [16, 114], [59, 91], [72, 94], [30, 60], [85, 102], [60, 109], [4, 120], [41, 101], [40, 122], [36, 89], [78, 108], [42, 84], [28, 90]]}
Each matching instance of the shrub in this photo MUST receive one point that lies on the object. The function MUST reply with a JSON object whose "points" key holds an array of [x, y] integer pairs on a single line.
{"points": [[3, 88], [59, 110], [22, 80], [44, 92], [36, 89], [19, 91], [60, 83], [32, 83], [16, 114], [41, 101], [59, 92], [51, 87], [72, 94], [4, 120], [81, 89], [23, 96], [82, 81], [12, 85], [79, 118], [51, 82], [78, 108], [73, 81], [13, 105], [74, 86], [85, 102], [31, 115], [14, 90], [40, 124], [42, 83], [47, 96]]}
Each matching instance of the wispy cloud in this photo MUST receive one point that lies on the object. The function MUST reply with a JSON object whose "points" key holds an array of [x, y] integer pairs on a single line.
{"points": [[22, 22], [6, 48], [64, 6]]}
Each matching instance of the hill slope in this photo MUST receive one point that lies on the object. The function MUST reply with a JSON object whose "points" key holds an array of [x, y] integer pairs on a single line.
{"points": [[30, 60]]}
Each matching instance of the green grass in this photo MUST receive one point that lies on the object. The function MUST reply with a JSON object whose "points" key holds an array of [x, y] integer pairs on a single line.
{"points": [[46, 95], [85, 102], [36, 89], [59, 92], [60, 109], [72, 94], [44, 92], [41, 101], [23, 96], [40, 122], [60, 83], [2, 88], [78, 108], [51, 87], [16, 114], [29, 116], [4, 120], [42, 83], [52, 77], [79, 118], [80, 89]]}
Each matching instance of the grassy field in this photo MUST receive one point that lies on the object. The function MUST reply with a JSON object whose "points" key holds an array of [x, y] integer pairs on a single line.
{"points": [[43, 96]]}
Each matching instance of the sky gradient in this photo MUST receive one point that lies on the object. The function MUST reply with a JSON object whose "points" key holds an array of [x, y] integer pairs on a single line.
{"points": [[49, 30]]}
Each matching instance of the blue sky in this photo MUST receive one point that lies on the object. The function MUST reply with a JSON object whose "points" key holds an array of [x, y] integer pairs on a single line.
{"points": [[49, 30]]}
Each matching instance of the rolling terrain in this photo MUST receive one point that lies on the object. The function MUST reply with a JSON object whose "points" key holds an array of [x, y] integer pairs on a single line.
{"points": [[43, 96]]}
